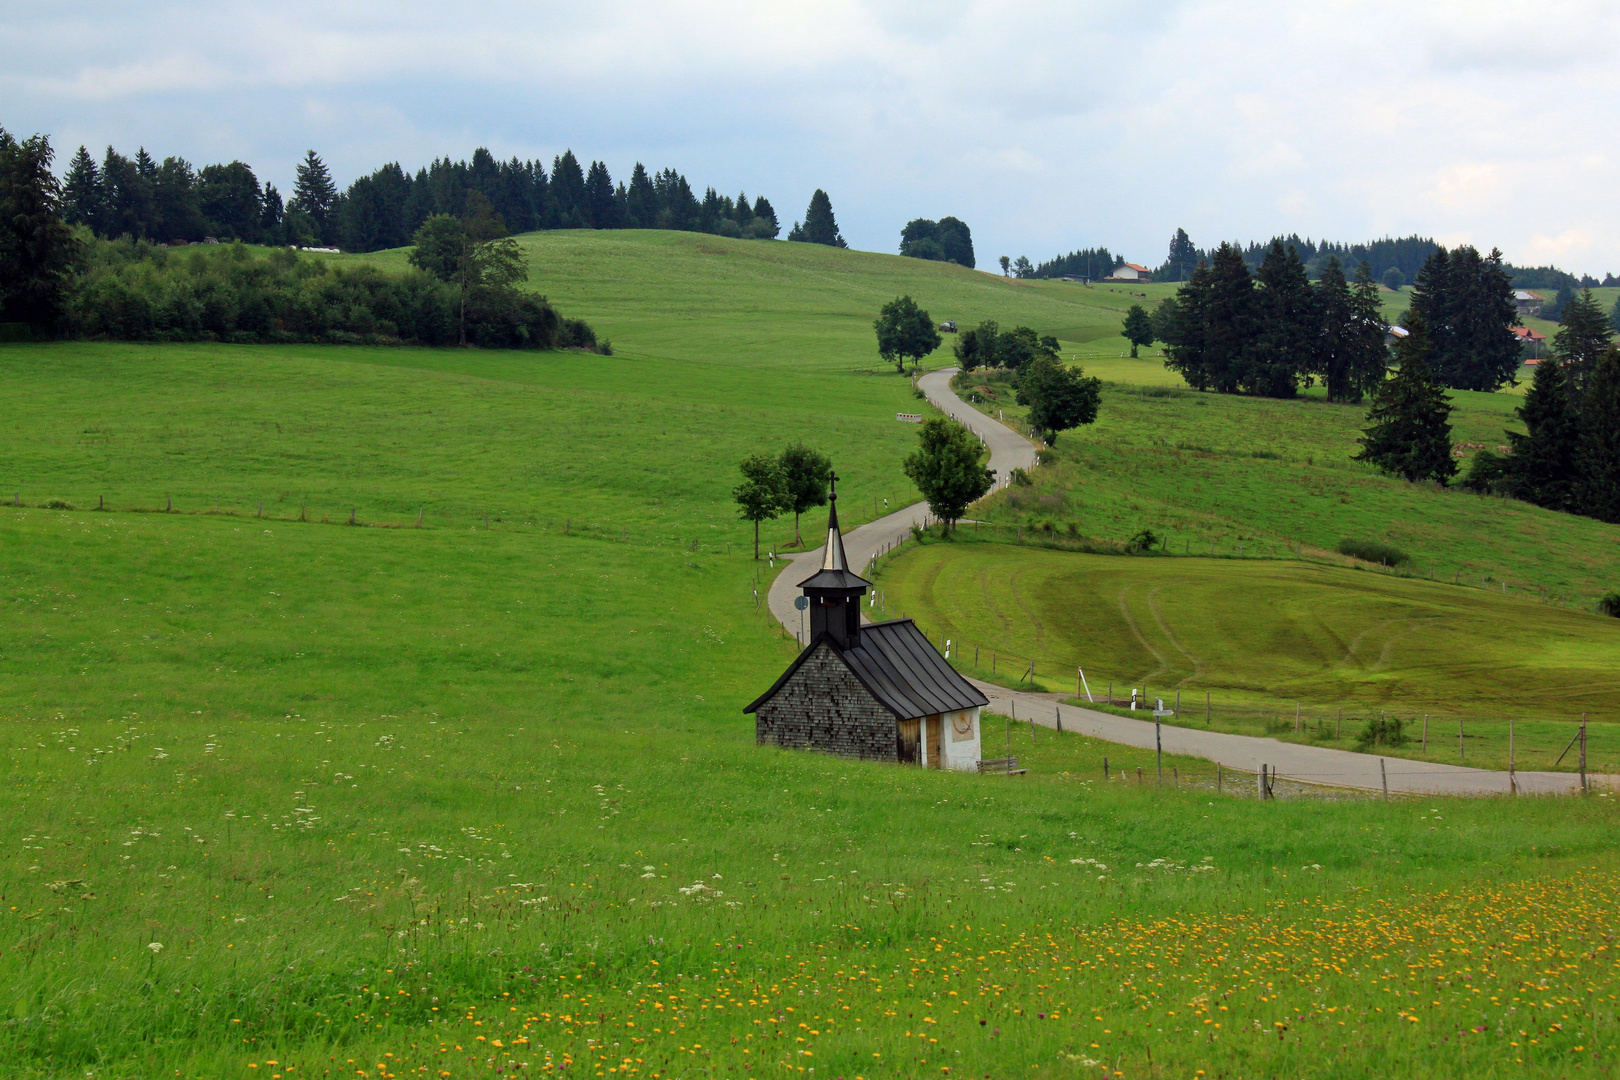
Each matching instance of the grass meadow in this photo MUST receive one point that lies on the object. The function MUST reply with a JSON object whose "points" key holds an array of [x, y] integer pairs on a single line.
{"points": [[1262, 636], [288, 798]]}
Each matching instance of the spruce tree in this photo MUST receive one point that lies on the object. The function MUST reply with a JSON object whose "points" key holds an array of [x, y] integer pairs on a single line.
{"points": [[1332, 364], [1186, 342], [1410, 432], [1542, 467], [601, 208], [820, 226], [316, 195], [81, 191], [1183, 256], [1229, 329], [1597, 489], [1583, 336], [640, 201], [1286, 325], [37, 248], [568, 192], [766, 224], [1368, 359]]}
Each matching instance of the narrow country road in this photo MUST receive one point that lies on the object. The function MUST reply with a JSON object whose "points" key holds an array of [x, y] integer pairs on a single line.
{"points": [[1293, 761]]}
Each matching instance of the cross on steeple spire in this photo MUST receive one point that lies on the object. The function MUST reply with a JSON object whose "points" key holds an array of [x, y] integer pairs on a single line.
{"points": [[834, 590]]}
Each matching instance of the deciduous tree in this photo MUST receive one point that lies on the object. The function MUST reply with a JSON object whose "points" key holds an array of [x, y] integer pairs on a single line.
{"points": [[1059, 397], [946, 469], [1138, 328], [805, 472], [904, 332], [763, 494]]}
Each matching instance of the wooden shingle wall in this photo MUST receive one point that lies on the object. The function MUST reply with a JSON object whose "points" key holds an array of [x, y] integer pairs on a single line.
{"points": [[824, 707]]}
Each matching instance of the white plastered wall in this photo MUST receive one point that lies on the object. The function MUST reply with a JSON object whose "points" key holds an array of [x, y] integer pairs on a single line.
{"points": [[958, 749]]}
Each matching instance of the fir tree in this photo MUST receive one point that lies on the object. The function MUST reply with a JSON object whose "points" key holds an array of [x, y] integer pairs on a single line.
{"points": [[1332, 359], [38, 250], [1597, 490], [1368, 359], [81, 192], [1410, 432], [1287, 324], [316, 196], [640, 201], [820, 226], [765, 221], [1228, 320], [1583, 336], [601, 207], [1183, 257], [1542, 468], [568, 192]]}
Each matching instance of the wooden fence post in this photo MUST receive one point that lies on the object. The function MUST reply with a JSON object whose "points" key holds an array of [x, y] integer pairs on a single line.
{"points": [[1425, 733], [1513, 780], [1583, 752], [1260, 780], [1217, 778], [1384, 777], [1206, 708], [1105, 766]]}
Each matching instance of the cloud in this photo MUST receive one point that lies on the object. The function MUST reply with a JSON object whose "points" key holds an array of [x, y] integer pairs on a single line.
{"points": [[1046, 125]]}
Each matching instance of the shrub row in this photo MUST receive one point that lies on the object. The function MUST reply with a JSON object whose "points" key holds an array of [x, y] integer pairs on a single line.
{"points": [[131, 290]]}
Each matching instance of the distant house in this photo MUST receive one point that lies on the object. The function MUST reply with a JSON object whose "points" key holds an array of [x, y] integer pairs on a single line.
{"points": [[1130, 272], [1533, 342], [1394, 334], [1527, 302]]}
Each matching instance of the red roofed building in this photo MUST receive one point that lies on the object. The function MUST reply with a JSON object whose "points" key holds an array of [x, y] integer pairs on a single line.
{"points": [[1130, 272]]}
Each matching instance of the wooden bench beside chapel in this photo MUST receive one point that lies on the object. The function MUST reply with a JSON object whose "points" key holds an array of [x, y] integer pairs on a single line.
{"points": [[878, 691]]}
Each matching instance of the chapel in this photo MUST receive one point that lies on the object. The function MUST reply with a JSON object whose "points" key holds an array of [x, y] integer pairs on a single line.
{"points": [[879, 691]]}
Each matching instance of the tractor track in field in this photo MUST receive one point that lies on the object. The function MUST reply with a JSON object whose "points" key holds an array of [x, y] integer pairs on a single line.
{"points": [[1294, 761]]}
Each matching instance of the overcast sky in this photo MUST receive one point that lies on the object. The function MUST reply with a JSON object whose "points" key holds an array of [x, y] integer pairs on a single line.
{"points": [[1045, 126]]}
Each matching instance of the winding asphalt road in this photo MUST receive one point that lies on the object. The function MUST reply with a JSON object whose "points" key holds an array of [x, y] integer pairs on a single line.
{"points": [[1293, 761]]}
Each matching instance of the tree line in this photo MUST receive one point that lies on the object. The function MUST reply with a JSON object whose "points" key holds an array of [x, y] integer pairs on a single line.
{"points": [[59, 278], [1266, 333], [173, 201], [1567, 459], [1395, 262]]}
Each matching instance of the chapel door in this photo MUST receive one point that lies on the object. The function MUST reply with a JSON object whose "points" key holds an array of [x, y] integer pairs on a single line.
{"points": [[910, 738], [934, 727]]}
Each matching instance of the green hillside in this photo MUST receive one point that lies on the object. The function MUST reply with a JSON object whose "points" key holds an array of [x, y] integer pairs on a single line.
{"points": [[1269, 475], [1261, 637], [292, 798]]}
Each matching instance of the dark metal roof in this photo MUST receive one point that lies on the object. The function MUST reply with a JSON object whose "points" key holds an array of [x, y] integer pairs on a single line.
{"points": [[900, 667], [834, 572]]}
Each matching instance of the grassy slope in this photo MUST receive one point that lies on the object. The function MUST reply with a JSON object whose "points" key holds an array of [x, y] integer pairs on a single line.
{"points": [[1184, 465], [217, 727], [1263, 635]]}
